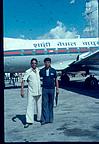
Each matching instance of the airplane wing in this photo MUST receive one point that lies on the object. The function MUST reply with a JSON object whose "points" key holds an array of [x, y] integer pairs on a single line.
{"points": [[85, 62], [89, 61]]}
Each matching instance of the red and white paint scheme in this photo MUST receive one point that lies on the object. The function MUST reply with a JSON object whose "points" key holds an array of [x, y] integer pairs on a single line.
{"points": [[19, 52]]}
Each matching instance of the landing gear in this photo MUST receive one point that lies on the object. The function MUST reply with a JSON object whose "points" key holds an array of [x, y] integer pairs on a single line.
{"points": [[91, 82], [65, 79]]}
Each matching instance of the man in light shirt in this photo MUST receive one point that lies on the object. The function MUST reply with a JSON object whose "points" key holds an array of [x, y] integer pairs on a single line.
{"points": [[34, 92]]}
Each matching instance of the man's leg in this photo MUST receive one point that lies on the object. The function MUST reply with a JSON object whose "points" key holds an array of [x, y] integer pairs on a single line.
{"points": [[45, 111], [51, 104], [38, 107], [30, 110]]}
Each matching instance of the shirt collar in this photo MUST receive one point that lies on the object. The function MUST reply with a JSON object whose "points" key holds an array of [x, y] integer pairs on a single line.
{"points": [[48, 68], [34, 70]]}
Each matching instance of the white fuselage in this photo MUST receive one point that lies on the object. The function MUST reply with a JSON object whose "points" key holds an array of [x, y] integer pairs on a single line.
{"points": [[18, 53], [21, 63]]}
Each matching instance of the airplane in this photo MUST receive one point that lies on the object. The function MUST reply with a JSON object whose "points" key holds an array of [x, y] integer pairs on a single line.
{"points": [[63, 52]]}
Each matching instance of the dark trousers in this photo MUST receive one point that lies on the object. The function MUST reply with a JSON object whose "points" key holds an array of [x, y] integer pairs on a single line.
{"points": [[47, 105]]}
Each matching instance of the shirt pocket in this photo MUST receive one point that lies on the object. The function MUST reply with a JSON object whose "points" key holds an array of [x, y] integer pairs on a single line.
{"points": [[52, 75]]}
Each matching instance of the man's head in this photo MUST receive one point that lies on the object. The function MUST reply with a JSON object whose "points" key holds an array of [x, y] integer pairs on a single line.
{"points": [[47, 62], [34, 63]]}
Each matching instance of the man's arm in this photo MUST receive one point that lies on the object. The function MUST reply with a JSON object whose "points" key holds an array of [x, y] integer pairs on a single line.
{"points": [[24, 78], [57, 86], [56, 83], [22, 88]]}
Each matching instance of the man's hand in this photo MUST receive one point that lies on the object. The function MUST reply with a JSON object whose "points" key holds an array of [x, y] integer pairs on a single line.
{"points": [[22, 93], [57, 87], [57, 91], [56, 97], [22, 88]]}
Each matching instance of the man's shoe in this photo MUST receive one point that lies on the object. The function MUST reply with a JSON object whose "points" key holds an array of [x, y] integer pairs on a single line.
{"points": [[43, 123], [27, 125], [38, 120], [50, 122]]}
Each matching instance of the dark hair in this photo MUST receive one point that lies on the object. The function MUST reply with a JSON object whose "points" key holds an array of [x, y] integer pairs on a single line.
{"points": [[34, 59], [47, 59]]}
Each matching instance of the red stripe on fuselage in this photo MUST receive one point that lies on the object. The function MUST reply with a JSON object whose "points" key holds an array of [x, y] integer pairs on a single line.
{"points": [[27, 52], [39, 51], [83, 49], [11, 53], [62, 50], [73, 50]]}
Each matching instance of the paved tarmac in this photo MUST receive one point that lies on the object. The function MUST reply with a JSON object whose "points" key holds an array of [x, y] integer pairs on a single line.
{"points": [[76, 117]]}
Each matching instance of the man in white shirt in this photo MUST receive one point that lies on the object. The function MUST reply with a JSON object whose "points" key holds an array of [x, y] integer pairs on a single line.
{"points": [[34, 92]]}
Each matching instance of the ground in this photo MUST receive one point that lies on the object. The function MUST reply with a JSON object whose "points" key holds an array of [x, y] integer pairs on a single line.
{"points": [[76, 117]]}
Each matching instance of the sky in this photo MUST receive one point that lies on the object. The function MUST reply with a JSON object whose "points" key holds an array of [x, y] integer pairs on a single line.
{"points": [[50, 19]]}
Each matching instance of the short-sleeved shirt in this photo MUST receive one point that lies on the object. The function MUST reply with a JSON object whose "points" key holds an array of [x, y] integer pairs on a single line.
{"points": [[33, 79], [48, 77]]}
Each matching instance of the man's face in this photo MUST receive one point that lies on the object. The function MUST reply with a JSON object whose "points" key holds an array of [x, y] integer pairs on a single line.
{"points": [[34, 64], [47, 64]]}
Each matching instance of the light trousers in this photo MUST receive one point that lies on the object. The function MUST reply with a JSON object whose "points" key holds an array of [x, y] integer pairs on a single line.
{"points": [[33, 103]]}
